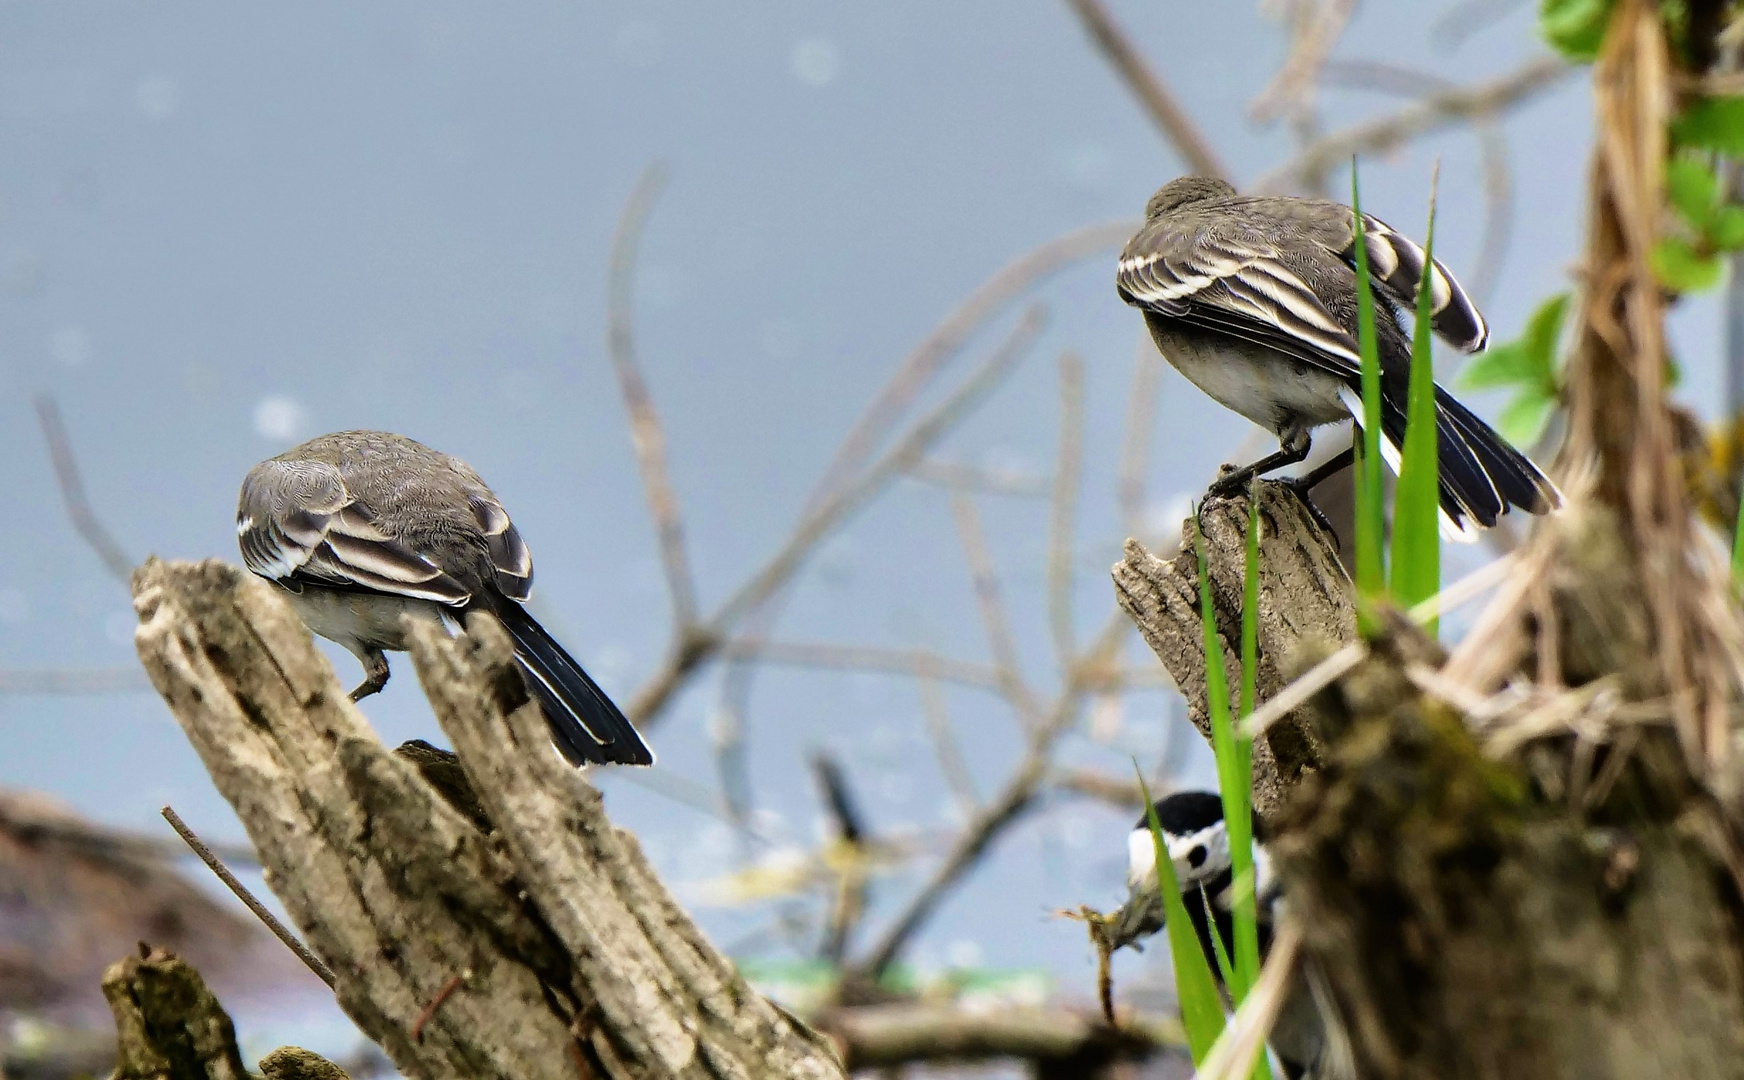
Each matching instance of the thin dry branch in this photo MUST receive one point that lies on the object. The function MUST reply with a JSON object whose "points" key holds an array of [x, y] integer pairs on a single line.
{"points": [[1312, 40], [780, 568], [646, 434], [240, 891], [1062, 522], [1014, 799], [1146, 85], [995, 618], [1433, 113], [949, 752], [867, 658], [1057, 1042], [918, 369], [1135, 445], [72, 485], [962, 476]]}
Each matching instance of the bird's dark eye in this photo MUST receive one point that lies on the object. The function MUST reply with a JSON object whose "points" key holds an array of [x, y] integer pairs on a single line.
{"points": [[1196, 857]]}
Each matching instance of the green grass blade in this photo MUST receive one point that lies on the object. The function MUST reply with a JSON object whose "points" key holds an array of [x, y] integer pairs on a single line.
{"points": [[1234, 778], [1201, 1006], [1738, 550], [1370, 515], [1224, 966], [1416, 570], [1250, 604]]}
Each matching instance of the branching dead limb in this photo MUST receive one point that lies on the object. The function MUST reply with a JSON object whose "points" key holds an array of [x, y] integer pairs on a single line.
{"points": [[1438, 111]]}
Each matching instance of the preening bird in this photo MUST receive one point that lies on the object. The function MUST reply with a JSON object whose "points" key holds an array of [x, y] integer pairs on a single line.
{"points": [[1197, 842], [361, 527], [1254, 300]]}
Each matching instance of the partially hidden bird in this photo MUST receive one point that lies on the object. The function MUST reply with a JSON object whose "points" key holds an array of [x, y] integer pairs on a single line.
{"points": [[1254, 300], [360, 528], [1196, 842]]}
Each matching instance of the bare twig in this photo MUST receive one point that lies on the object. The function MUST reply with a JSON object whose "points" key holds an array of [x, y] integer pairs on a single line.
{"points": [[1135, 446], [995, 618], [1292, 88], [72, 485], [279, 929], [1431, 114], [920, 366], [952, 764], [962, 476], [866, 658], [442, 995], [1148, 87], [646, 434], [1013, 800], [72, 681], [781, 566], [1068, 474]]}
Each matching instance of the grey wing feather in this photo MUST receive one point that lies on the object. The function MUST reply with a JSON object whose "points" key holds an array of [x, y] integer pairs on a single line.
{"points": [[510, 559], [1238, 284], [297, 521], [1396, 264]]}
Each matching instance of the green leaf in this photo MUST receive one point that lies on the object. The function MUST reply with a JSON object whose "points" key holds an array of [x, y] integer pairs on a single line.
{"points": [[1575, 28], [1715, 123], [1416, 572], [1726, 228], [1370, 513], [1529, 360], [1678, 265], [1693, 188], [1523, 420], [1195, 987]]}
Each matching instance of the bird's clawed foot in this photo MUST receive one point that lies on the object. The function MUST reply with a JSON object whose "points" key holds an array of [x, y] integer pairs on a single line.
{"points": [[375, 674]]}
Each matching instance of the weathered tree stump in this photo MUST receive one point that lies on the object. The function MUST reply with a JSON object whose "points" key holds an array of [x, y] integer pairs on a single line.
{"points": [[545, 948]]}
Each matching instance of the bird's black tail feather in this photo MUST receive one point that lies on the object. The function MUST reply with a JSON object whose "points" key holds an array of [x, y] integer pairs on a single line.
{"points": [[585, 725], [1482, 476]]}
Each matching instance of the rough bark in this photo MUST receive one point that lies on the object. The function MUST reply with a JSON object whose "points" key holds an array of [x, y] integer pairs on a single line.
{"points": [[1537, 897], [1304, 596], [545, 948], [169, 1026]]}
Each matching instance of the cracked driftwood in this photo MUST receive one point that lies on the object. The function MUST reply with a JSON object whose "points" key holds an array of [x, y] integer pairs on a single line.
{"points": [[1304, 596], [544, 948]]}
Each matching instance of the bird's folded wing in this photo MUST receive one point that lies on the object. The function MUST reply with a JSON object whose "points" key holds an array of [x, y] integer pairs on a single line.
{"points": [[297, 522], [1396, 264], [509, 556], [1236, 287]]}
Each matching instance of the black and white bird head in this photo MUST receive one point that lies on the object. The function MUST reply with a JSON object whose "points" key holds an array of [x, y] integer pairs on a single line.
{"points": [[1194, 834], [1197, 840]]}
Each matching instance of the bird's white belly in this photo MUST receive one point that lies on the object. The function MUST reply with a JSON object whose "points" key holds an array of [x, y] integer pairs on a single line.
{"points": [[360, 620], [1273, 391]]}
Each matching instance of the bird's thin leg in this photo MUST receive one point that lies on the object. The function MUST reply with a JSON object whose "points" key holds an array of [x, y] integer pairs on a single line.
{"points": [[375, 674], [1294, 449], [1323, 472]]}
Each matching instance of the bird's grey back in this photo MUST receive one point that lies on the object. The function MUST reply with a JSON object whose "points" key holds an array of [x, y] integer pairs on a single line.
{"points": [[430, 502]]}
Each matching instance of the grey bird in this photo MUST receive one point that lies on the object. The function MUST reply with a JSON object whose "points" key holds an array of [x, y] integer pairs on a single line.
{"points": [[361, 527], [1254, 300]]}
